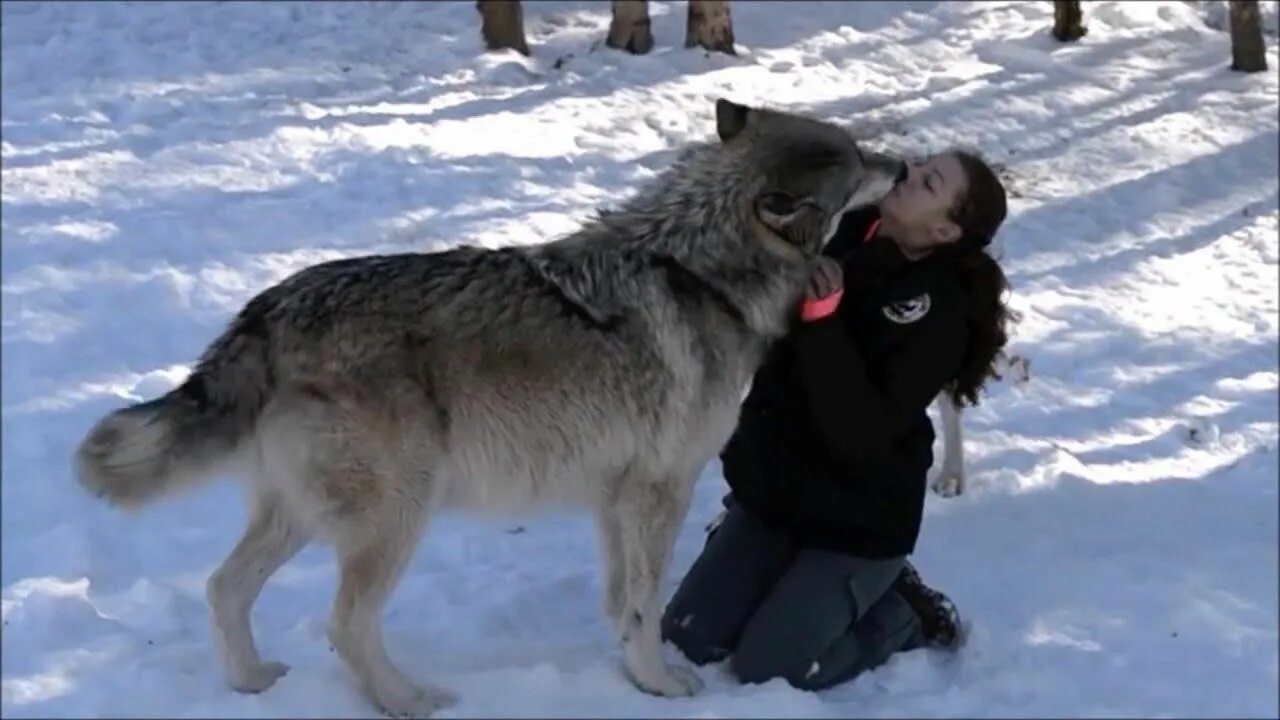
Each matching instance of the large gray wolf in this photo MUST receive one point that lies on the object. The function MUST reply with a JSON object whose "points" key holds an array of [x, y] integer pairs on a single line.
{"points": [[601, 370]]}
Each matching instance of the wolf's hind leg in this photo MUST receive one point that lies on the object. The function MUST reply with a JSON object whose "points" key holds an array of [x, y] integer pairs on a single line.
{"points": [[372, 556], [271, 539]]}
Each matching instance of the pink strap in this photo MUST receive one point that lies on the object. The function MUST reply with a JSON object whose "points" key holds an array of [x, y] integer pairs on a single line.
{"points": [[871, 230], [817, 309]]}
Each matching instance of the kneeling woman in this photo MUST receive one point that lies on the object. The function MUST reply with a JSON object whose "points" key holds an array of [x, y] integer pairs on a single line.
{"points": [[806, 577]]}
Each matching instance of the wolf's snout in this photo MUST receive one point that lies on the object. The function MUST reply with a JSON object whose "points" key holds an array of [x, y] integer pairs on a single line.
{"points": [[901, 175], [877, 177]]}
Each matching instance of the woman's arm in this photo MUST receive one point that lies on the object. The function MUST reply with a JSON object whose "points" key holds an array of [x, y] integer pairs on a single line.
{"points": [[855, 417]]}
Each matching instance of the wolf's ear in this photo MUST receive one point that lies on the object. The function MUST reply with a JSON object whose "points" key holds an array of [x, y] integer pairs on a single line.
{"points": [[787, 215], [731, 119]]}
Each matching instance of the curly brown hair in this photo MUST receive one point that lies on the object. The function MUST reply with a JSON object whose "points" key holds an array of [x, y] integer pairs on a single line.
{"points": [[979, 212]]}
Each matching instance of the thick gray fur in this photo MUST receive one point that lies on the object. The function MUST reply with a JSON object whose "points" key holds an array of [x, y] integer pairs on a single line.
{"points": [[600, 371]]}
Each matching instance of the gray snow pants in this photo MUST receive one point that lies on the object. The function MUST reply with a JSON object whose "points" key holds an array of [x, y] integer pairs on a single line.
{"points": [[776, 609]]}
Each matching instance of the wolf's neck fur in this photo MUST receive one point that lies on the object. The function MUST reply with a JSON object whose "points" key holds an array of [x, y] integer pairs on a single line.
{"points": [[696, 214], [704, 192]]}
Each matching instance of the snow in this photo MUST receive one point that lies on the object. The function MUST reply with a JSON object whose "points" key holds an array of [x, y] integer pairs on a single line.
{"points": [[1116, 552]]}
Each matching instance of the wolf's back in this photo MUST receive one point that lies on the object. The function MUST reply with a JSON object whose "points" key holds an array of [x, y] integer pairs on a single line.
{"points": [[140, 452]]}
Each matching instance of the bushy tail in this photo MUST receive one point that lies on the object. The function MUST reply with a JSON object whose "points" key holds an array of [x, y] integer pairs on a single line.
{"points": [[141, 452]]}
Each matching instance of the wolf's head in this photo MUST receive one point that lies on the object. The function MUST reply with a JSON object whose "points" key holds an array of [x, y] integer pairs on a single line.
{"points": [[748, 213], [801, 166]]}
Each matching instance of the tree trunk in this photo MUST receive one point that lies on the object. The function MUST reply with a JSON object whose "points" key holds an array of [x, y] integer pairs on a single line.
{"points": [[710, 26], [1068, 20], [629, 29], [1248, 53], [502, 25]]}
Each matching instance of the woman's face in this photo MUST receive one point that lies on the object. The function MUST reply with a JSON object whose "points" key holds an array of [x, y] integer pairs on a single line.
{"points": [[916, 212]]}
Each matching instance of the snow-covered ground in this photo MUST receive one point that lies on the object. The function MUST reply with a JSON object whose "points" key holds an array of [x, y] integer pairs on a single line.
{"points": [[162, 162]]}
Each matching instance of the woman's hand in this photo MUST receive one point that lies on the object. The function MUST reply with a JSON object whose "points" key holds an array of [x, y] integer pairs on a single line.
{"points": [[826, 287], [827, 278]]}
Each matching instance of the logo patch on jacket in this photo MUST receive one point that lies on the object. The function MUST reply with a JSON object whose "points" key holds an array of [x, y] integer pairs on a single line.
{"points": [[905, 312]]}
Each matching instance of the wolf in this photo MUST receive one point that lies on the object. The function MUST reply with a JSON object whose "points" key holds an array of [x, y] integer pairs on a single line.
{"points": [[601, 370]]}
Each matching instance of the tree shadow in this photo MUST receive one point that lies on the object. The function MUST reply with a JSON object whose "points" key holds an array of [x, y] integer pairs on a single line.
{"points": [[1110, 427], [244, 241], [1155, 576], [244, 95], [1198, 182], [1063, 584]]}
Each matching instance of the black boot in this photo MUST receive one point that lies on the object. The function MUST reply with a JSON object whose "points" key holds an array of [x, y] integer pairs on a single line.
{"points": [[939, 621]]}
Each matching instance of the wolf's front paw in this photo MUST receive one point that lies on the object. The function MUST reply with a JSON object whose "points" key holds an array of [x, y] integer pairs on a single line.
{"points": [[949, 483], [416, 702], [259, 678], [673, 681]]}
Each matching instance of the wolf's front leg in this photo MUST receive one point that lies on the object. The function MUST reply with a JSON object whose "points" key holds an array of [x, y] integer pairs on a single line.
{"points": [[649, 514], [614, 566]]}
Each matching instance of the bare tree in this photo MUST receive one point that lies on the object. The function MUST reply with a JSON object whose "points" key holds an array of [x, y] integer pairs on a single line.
{"points": [[502, 25], [710, 26], [1248, 53], [1068, 21], [629, 29]]}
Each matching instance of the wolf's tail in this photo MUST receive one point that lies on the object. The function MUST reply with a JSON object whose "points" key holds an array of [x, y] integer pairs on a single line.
{"points": [[182, 438]]}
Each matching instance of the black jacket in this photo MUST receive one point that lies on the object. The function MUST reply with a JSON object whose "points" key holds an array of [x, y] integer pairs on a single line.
{"points": [[834, 442]]}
